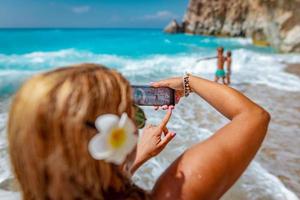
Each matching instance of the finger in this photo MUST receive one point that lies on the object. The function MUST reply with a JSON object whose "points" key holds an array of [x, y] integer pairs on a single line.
{"points": [[158, 107], [165, 107], [166, 119], [171, 107], [167, 139], [159, 84], [165, 131]]}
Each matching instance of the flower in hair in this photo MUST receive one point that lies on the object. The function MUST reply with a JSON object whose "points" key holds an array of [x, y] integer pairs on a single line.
{"points": [[115, 140]]}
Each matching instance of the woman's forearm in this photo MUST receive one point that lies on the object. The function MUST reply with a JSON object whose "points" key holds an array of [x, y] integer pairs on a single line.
{"points": [[226, 100]]}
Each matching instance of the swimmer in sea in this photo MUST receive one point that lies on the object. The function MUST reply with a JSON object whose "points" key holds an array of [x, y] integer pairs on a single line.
{"points": [[220, 73]]}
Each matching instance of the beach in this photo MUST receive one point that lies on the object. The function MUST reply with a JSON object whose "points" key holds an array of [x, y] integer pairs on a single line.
{"points": [[280, 152], [142, 56]]}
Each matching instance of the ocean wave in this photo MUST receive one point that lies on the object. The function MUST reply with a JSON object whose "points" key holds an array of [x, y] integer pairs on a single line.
{"points": [[229, 41], [8, 195], [3, 118], [258, 183], [4, 161], [248, 66]]}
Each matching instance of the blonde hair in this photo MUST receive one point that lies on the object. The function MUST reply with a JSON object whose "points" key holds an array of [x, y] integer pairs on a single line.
{"points": [[48, 135]]}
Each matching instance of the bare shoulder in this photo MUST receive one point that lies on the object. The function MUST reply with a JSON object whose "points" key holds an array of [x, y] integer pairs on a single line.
{"points": [[192, 175]]}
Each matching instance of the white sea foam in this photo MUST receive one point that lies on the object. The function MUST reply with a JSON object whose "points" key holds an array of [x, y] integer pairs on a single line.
{"points": [[263, 68], [248, 66], [4, 166], [7, 195], [258, 183], [223, 41], [3, 118]]}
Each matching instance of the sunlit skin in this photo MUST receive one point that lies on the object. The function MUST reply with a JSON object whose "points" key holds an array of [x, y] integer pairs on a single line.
{"points": [[208, 169]]}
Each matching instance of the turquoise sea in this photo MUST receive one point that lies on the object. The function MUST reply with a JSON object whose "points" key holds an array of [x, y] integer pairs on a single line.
{"points": [[146, 55], [27, 51]]}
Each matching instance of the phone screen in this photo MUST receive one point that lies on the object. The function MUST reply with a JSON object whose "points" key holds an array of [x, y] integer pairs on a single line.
{"points": [[151, 96]]}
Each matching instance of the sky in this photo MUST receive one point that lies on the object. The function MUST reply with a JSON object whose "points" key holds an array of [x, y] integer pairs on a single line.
{"points": [[90, 13]]}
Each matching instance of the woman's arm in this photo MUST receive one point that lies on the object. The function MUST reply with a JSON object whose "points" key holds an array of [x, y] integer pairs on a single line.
{"points": [[209, 169]]}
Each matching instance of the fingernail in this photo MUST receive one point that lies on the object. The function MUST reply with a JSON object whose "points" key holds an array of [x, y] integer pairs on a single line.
{"points": [[173, 134]]}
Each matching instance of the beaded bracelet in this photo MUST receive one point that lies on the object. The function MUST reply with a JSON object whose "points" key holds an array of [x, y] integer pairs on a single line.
{"points": [[186, 84]]}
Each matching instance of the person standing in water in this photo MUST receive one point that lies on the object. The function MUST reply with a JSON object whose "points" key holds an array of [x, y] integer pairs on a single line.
{"points": [[228, 67], [220, 73]]}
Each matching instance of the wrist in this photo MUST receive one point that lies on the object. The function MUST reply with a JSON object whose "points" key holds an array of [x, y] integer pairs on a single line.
{"points": [[186, 84], [134, 167], [192, 82], [139, 161]]}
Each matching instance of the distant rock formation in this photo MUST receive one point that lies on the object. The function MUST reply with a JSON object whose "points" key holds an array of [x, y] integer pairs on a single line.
{"points": [[173, 27], [274, 22]]}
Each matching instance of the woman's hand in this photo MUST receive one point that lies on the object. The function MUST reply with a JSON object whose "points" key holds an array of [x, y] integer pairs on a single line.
{"points": [[151, 142], [174, 83]]}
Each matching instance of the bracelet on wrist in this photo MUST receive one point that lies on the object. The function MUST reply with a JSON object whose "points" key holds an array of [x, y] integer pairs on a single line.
{"points": [[186, 85]]}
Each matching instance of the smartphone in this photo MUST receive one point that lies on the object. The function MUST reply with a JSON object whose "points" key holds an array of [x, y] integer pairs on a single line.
{"points": [[153, 96]]}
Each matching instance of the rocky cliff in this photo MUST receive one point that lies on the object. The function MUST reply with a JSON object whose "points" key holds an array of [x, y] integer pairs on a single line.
{"points": [[274, 22]]}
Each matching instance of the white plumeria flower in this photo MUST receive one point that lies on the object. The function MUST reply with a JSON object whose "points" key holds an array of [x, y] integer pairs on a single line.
{"points": [[115, 140]]}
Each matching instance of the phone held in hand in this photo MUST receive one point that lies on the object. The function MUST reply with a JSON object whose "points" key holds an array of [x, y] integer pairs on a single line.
{"points": [[153, 96]]}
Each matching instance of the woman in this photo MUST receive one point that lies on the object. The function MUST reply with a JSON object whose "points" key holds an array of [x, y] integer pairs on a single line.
{"points": [[58, 153]]}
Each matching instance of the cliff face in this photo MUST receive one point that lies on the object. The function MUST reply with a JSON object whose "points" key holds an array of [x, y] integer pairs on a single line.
{"points": [[274, 22]]}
